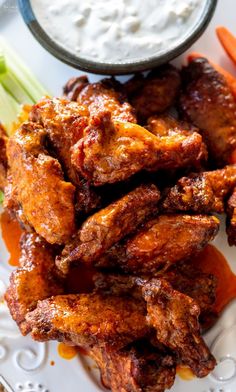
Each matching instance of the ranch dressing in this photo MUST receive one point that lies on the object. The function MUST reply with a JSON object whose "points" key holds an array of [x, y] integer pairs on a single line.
{"points": [[117, 30]]}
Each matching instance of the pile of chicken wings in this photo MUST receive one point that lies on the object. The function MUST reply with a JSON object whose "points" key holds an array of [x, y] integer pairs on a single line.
{"points": [[127, 179]]}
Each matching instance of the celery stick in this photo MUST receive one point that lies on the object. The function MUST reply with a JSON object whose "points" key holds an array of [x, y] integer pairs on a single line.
{"points": [[13, 87], [1, 197], [3, 67], [9, 109], [24, 76]]}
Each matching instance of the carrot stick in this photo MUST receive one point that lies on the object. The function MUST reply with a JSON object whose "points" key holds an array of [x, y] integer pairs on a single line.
{"points": [[228, 41], [230, 79]]}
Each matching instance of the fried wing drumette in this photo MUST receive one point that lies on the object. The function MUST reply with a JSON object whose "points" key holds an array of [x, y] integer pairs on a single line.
{"points": [[155, 93], [231, 219], [183, 277], [64, 123], [114, 151], [162, 241], [3, 158], [202, 193], [165, 125], [46, 199], [209, 104], [89, 319], [175, 319], [139, 367], [103, 229], [106, 95], [36, 279]]}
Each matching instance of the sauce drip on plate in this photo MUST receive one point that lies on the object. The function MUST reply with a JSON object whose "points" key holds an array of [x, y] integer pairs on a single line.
{"points": [[11, 233], [211, 260], [67, 352], [185, 373]]}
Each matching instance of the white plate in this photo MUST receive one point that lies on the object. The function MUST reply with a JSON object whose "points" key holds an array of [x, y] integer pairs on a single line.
{"points": [[24, 364]]}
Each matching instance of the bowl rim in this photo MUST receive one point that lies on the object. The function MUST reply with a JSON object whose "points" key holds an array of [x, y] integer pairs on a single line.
{"points": [[104, 68]]}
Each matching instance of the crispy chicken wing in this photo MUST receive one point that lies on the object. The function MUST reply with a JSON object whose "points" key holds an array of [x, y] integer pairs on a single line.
{"points": [[114, 151], [155, 93], [166, 125], [103, 229], [89, 319], [202, 193], [231, 219], [183, 277], [175, 319], [36, 279], [162, 241], [3, 158], [208, 103], [46, 199], [106, 95], [139, 367], [64, 123]]}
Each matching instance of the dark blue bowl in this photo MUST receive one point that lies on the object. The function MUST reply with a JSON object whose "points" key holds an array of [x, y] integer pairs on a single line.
{"points": [[115, 68]]}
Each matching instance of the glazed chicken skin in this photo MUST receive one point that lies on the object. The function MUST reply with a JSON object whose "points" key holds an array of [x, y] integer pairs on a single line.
{"points": [[208, 103], [166, 125], [139, 367], [103, 229], [162, 241], [155, 93], [175, 318], [183, 277], [231, 219], [114, 151], [106, 95], [99, 319], [202, 193], [64, 123], [38, 185], [35, 279], [3, 158], [89, 319]]}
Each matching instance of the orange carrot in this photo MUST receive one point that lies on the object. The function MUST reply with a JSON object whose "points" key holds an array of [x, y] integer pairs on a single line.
{"points": [[231, 80], [228, 41]]}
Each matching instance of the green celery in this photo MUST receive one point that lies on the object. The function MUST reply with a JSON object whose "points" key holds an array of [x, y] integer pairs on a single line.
{"points": [[9, 109], [23, 75], [1, 197]]}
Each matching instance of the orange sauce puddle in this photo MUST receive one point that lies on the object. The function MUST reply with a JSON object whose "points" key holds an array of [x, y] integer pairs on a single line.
{"points": [[11, 233], [67, 352], [52, 363], [185, 373], [211, 261]]}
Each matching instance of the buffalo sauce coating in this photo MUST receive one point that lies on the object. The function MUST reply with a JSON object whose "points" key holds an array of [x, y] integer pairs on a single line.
{"points": [[11, 233]]}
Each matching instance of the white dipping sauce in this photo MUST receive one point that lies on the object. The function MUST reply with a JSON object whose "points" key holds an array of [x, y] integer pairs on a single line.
{"points": [[117, 30]]}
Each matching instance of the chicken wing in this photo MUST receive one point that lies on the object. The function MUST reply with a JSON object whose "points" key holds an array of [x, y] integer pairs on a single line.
{"points": [[36, 279], [139, 367], [162, 241], [175, 319], [46, 199], [183, 277], [208, 103], [202, 193], [114, 151], [106, 95], [89, 319], [155, 93], [3, 158], [103, 229], [231, 219]]}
